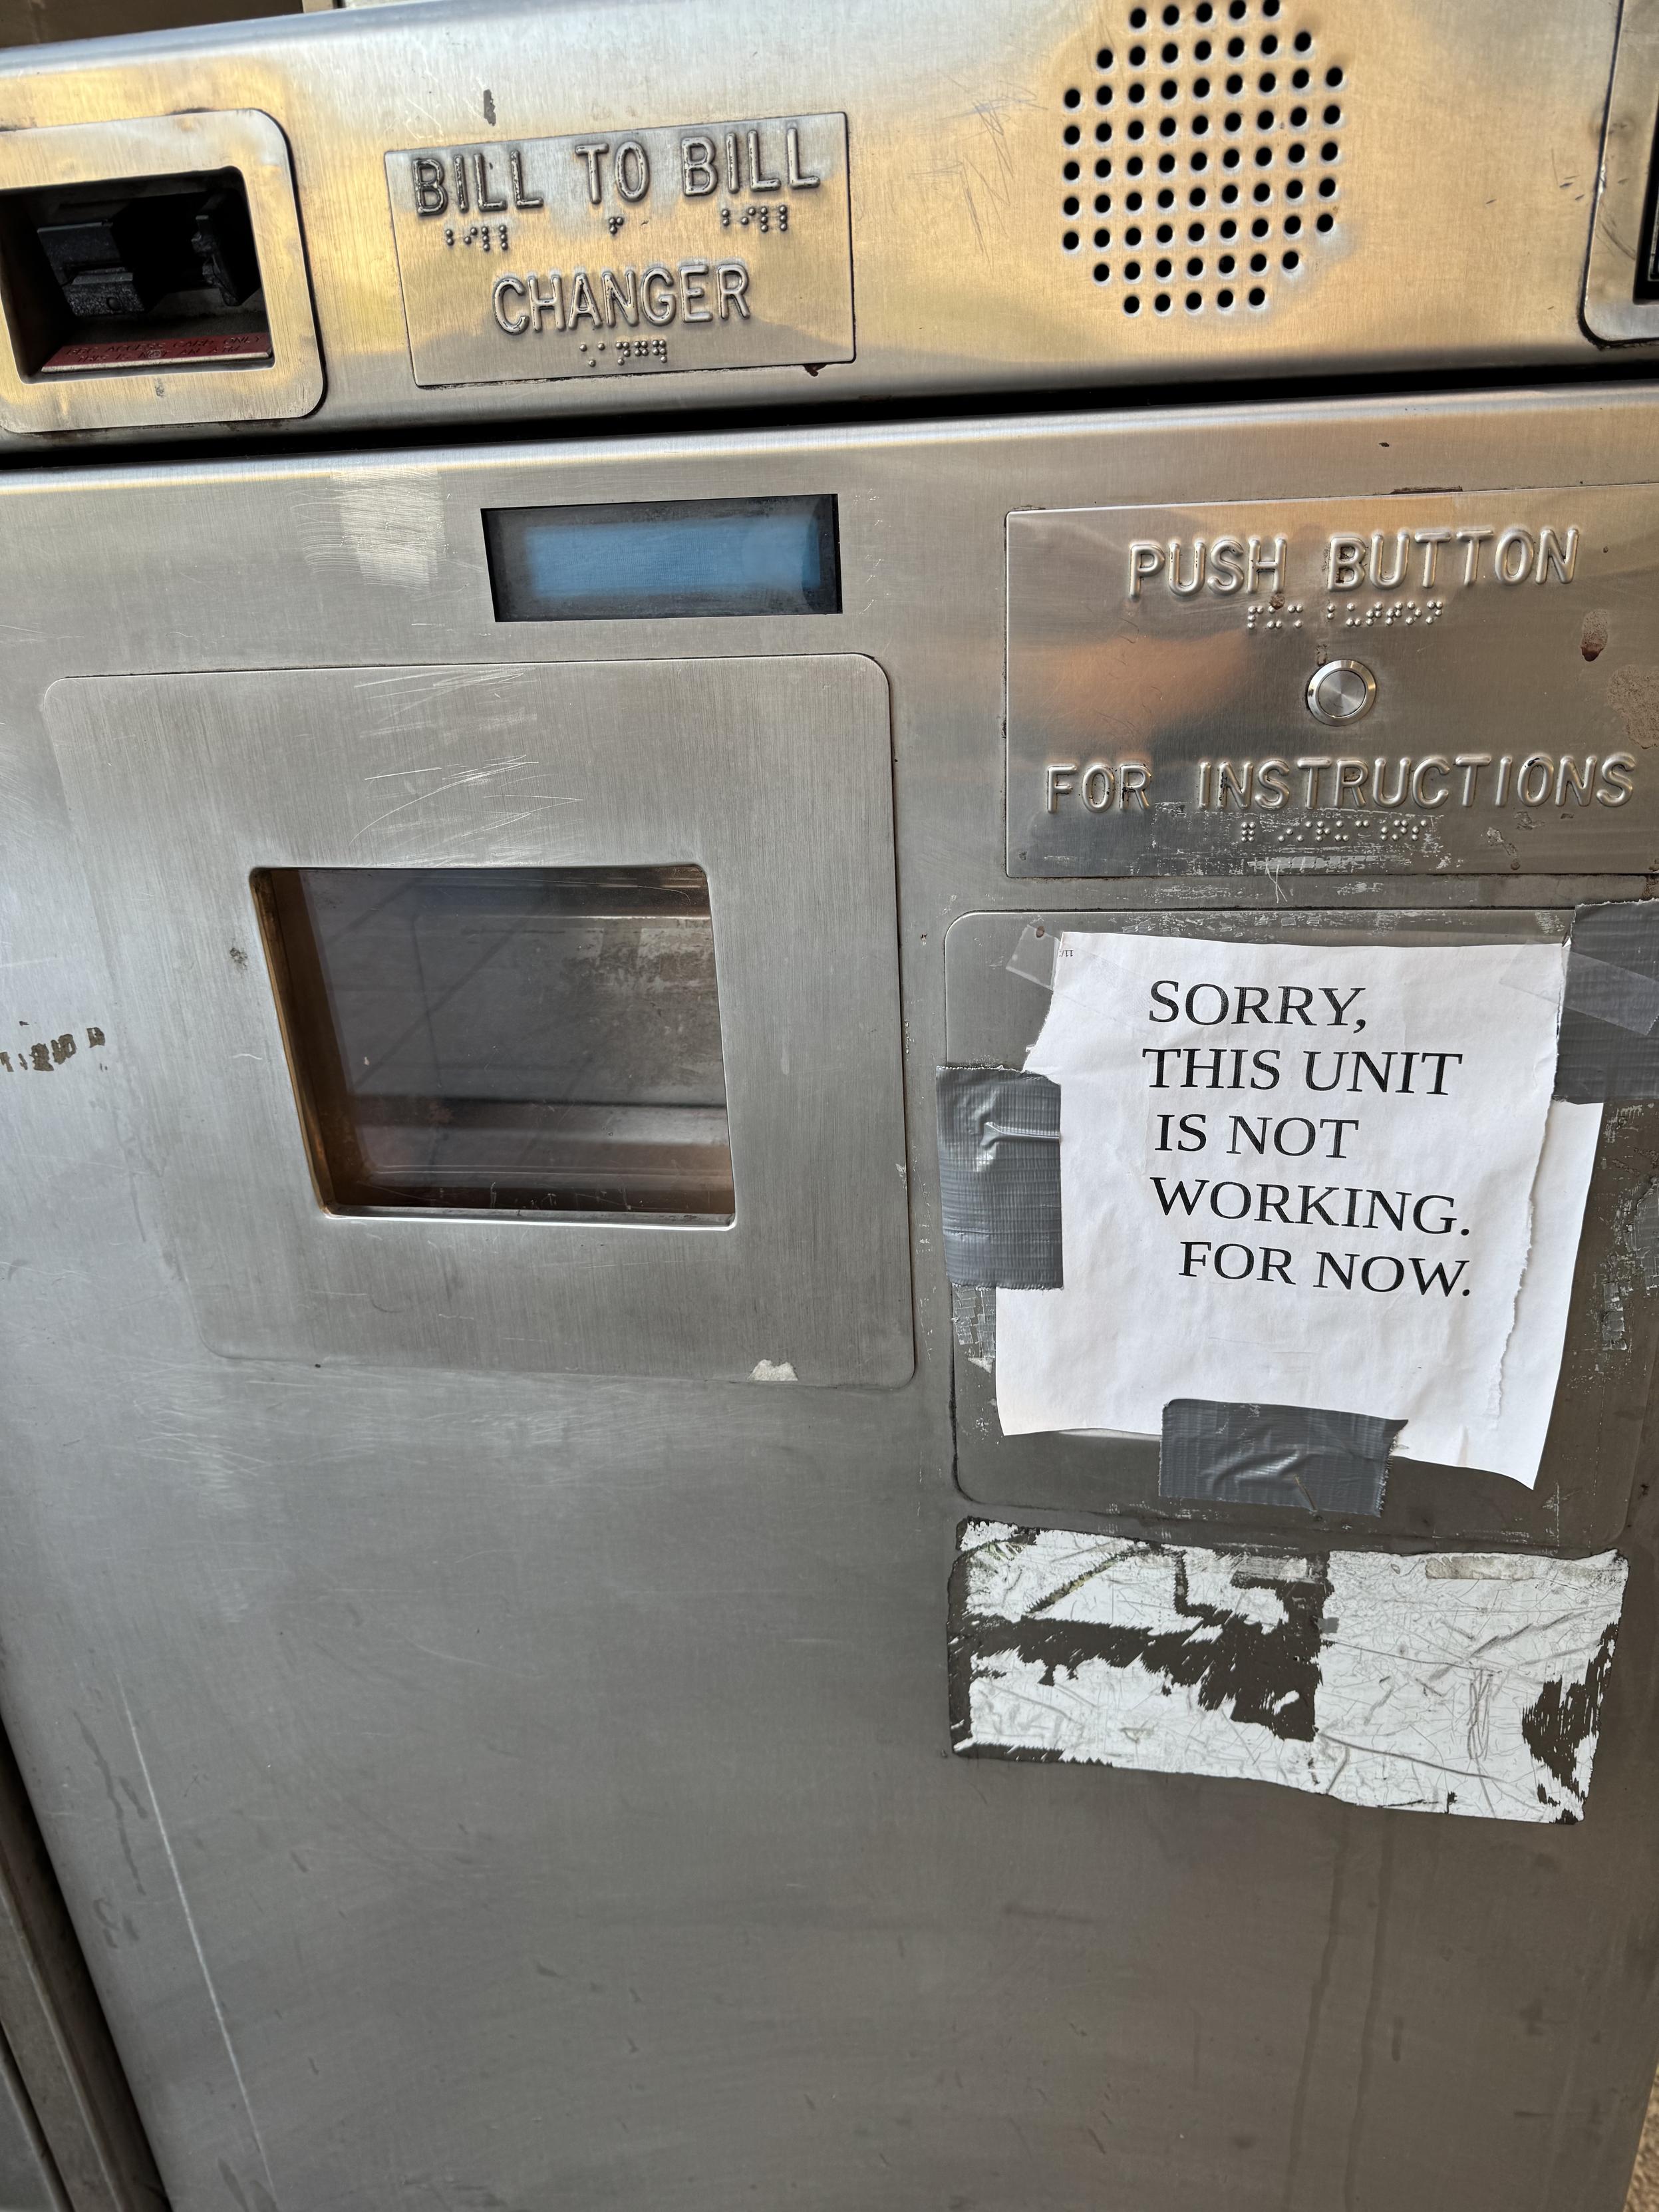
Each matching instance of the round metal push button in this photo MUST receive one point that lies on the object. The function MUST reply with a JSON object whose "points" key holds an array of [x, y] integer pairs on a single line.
{"points": [[1340, 691]]}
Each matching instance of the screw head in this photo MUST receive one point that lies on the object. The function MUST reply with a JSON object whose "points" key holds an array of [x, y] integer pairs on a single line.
{"points": [[1340, 691]]}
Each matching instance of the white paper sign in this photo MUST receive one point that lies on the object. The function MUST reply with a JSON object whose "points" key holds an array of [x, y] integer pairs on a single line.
{"points": [[1307, 1175]]}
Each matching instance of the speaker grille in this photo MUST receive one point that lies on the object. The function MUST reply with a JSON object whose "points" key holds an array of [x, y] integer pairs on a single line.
{"points": [[1202, 163]]}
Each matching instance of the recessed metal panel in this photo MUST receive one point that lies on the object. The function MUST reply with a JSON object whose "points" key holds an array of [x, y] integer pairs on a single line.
{"points": [[1435, 684], [284, 379], [994, 1008], [772, 777], [1621, 300], [626, 252]]}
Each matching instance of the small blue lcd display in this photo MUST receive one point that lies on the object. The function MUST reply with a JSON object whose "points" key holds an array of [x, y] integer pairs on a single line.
{"points": [[664, 560]]}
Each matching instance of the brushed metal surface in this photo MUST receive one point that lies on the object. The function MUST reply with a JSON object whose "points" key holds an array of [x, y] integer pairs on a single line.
{"points": [[1582, 1498], [1620, 305], [771, 776], [70, 2140], [28, 2181], [474, 1784], [707, 246], [1455, 238], [1513, 642], [290, 383]]}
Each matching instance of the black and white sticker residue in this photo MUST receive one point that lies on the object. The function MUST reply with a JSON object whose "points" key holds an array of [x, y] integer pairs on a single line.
{"points": [[1444, 1682]]}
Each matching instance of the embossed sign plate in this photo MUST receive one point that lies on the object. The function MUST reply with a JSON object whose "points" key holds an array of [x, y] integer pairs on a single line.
{"points": [[1437, 684], [626, 252]]}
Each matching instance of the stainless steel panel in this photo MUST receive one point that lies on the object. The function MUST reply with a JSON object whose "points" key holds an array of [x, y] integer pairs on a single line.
{"points": [[992, 1013], [537, 1785], [70, 2140], [772, 776], [1621, 303], [27, 2180], [629, 253], [1163, 664], [973, 259]]}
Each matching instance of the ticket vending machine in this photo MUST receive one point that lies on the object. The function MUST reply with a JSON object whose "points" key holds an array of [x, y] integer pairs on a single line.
{"points": [[832, 1257]]}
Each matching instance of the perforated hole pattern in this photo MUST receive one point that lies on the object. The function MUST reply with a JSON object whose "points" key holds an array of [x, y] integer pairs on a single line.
{"points": [[1202, 163]]}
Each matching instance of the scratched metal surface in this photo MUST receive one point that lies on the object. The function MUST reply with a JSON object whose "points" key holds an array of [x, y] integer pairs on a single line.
{"points": [[1453, 239], [771, 775], [526, 1788]]}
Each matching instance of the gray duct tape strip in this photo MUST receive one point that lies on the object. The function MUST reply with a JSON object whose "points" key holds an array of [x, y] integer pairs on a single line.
{"points": [[974, 1316], [998, 1172], [1609, 1042], [1302, 1455]]}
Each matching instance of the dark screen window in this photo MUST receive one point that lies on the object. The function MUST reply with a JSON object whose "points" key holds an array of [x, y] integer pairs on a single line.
{"points": [[518, 1040], [659, 559]]}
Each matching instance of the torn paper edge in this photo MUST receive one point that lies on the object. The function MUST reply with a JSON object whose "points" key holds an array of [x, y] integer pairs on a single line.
{"points": [[1468, 1683]]}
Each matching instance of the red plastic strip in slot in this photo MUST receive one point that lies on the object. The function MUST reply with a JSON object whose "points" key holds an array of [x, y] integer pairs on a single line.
{"points": [[157, 353]]}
